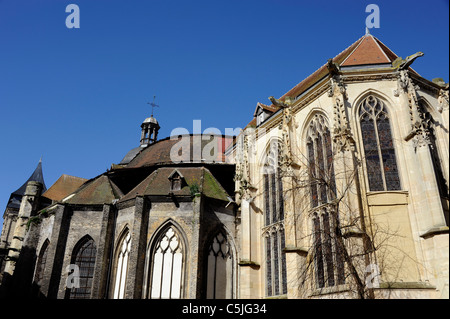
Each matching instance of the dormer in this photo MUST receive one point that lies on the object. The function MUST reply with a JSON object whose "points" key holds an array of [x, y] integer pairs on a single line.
{"points": [[263, 112], [176, 181]]}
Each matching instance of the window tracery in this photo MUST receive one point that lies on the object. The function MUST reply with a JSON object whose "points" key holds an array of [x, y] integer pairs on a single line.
{"points": [[328, 260], [273, 231], [381, 163], [219, 269], [167, 266], [123, 255], [84, 258]]}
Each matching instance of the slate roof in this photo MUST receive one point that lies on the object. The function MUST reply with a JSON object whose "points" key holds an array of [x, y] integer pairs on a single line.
{"points": [[130, 155], [159, 184], [36, 176]]}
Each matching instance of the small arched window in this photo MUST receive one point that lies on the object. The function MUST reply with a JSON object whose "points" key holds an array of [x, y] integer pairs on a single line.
{"points": [[122, 255], [379, 152], [83, 258], [42, 260], [167, 266]]}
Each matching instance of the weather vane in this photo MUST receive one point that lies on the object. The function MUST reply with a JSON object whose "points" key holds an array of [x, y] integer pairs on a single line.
{"points": [[152, 104]]}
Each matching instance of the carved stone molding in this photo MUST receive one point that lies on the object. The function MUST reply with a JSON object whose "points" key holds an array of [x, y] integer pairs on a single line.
{"points": [[347, 78], [342, 136], [244, 156], [419, 133], [443, 100], [286, 126]]}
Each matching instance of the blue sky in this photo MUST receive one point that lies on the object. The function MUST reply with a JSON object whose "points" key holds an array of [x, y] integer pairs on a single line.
{"points": [[77, 97]]}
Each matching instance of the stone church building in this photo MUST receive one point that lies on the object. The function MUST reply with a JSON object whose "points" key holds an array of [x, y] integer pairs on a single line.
{"points": [[337, 189]]}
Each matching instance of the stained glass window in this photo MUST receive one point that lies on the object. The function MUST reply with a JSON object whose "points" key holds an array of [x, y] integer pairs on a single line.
{"points": [[269, 281], [84, 258], [318, 256], [276, 283], [273, 187], [267, 199], [328, 252], [320, 162], [329, 267], [379, 152], [328, 257]]}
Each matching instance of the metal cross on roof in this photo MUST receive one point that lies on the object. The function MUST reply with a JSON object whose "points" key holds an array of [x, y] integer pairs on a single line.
{"points": [[152, 104]]}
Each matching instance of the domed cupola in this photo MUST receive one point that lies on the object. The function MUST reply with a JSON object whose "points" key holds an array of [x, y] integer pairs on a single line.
{"points": [[150, 128]]}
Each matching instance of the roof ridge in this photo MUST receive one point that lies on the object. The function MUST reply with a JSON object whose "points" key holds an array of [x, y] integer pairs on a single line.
{"points": [[362, 38], [356, 43], [369, 52], [151, 178], [382, 50], [64, 186], [85, 193], [384, 47], [117, 192]]}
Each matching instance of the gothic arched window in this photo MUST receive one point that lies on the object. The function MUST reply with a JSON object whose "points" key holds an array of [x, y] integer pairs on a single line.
{"points": [[381, 163], [273, 231], [167, 266], [320, 162], [42, 260], [220, 272], [123, 253], [83, 257], [328, 259]]}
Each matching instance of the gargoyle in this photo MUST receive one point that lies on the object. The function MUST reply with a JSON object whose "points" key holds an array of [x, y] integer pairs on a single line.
{"points": [[401, 64], [333, 68], [277, 102]]}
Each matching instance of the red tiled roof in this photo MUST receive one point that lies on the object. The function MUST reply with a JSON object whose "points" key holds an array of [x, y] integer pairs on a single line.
{"points": [[160, 151], [366, 50], [64, 186], [98, 191], [321, 72], [158, 184]]}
